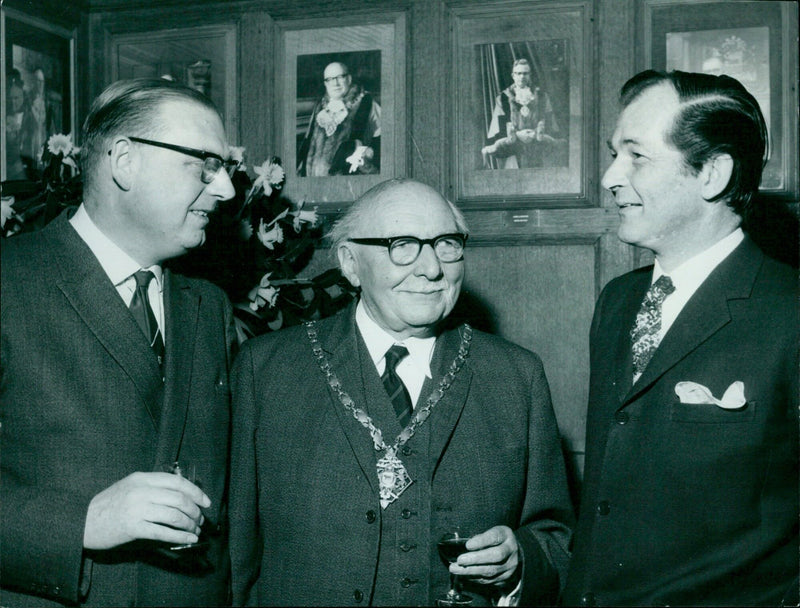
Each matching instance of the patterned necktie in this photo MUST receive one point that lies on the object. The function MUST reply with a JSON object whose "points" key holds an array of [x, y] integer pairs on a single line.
{"points": [[645, 331], [143, 313], [394, 385]]}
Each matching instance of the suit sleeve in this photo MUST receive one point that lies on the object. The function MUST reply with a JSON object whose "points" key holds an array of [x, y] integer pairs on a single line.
{"points": [[245, 543], [547, 515], [41, 528]]}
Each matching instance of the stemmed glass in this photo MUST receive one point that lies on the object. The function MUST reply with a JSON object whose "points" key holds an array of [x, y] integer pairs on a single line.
{"points": [[451, 545]]}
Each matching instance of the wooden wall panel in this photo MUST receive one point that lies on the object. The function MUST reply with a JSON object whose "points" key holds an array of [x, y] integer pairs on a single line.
{"points": [[542, 297]]}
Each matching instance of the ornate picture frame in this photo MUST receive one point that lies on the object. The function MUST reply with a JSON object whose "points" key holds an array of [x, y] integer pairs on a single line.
{"points": [[203, 57], [38, 90], [757, 46], [336, 147], [521, 144]]}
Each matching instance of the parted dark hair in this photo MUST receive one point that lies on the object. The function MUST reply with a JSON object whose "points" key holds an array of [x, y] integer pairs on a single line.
{"points": [[717, 116], [130, 108]]}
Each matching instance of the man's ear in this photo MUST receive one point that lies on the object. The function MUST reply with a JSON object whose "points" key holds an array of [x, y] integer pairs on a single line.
{"points": [[716, 174], [121, 161], [348, 264]]}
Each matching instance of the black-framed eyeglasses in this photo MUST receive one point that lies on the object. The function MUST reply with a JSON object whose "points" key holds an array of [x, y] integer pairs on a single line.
{"points": [[212, 162], [339, 78], [404, 250]]}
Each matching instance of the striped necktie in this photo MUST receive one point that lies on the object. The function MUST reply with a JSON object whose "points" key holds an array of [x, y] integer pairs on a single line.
{"points": [[143, 313], [394, 385], [645, 331]]}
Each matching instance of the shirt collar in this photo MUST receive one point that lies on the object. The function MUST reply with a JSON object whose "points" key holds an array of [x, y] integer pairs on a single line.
{"points": [[117, 264], [378, 341], [696, 269]]}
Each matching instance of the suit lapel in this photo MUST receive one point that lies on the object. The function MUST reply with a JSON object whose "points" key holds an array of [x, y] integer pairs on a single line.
{"points": [[341, 343], [181, 310], [625, 311], [90, 292], [704, 314], [445, 415]]}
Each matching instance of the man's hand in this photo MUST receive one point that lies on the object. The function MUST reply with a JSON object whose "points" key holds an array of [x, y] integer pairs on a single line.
{"points": [[492, 558], [152, 506]]}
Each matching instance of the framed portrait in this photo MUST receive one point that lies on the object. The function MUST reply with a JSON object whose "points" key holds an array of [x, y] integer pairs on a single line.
{"points": [[202, 57], [519, 104], [341, 106], [757, 45], [38, 97]]}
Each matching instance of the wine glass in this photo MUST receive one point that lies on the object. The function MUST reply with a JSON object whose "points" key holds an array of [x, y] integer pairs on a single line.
{"points": [[451, 545], [189, 472]]}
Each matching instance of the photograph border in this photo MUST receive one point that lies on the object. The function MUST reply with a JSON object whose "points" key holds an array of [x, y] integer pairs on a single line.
{"points": [[322, 36], [70, 36], [546, 187], [227, 32], [661, 17]]}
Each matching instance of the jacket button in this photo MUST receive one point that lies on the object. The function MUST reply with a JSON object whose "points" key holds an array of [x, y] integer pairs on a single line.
{"points": [[406, 547], [622, 417], [588, 599], [407, 513], [407, 582], [358, 595], [371, 517], [603, 508], [406, 451]]}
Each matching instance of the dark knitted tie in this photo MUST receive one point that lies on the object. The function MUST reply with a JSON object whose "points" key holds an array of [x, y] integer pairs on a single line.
{"points": [[143, 313], [645, 331], [394, 385]]}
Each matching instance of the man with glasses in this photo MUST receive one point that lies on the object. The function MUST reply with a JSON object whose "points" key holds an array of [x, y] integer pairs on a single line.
{"points": [[361, 439], [344, 133], [113, 367]]}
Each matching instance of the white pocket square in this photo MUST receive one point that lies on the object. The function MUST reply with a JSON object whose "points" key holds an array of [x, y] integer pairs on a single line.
{"points": [[692, 392]]}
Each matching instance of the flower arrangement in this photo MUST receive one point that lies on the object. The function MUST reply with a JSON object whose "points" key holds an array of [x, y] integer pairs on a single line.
{"points": [[256, 244]]}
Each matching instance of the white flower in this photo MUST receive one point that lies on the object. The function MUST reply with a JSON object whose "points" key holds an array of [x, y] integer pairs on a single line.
{"points": [[270, 175], [259, 296], [6, 210], [60, 144], [268, 237], [236, 153], [300, 217]]}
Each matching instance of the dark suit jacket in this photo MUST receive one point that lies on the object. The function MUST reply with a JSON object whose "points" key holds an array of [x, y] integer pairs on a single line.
{"points": [[306, 524], [693, 504], [79, 394]]}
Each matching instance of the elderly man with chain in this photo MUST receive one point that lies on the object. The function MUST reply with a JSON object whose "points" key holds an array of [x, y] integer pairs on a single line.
{"points": [[361, 439]]}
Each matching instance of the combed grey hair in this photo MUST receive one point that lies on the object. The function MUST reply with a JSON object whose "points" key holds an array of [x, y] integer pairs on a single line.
{"points": [[129, 108], [357, 217]]}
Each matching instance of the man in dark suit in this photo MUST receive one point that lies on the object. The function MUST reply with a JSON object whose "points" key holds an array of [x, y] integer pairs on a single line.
{"points": [[339, 491], [113, 366], [691, 484]]}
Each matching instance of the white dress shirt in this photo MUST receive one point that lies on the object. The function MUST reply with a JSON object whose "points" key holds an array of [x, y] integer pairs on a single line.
{"points": [[689, 276], [413, 369], [119, 266]]}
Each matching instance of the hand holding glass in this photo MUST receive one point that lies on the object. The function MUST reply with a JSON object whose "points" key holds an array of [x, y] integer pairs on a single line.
{"points": [[189, 472], [451, 545]]}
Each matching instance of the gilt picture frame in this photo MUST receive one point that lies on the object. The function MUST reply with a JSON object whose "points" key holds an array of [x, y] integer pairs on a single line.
{"points": [[320, 139], [521, 144], [202, 57], [757, 45], [38, 89]]}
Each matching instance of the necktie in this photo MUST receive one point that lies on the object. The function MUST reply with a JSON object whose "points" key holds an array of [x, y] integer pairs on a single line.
{"points": [[143, 313], [645, 332], [394, 385]]}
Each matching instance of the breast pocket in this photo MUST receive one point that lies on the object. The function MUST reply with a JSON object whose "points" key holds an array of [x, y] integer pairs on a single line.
{"points": [[709, 413]]}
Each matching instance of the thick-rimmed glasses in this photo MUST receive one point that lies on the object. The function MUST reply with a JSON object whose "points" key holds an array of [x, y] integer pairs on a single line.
{"points": [[212, 162], [340, 78], [404, 250]]}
